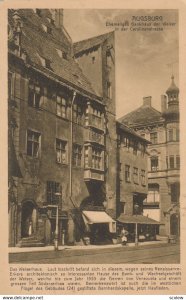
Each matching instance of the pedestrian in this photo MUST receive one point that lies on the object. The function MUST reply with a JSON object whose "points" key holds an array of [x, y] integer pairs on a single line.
{"points": [[124, 234]]}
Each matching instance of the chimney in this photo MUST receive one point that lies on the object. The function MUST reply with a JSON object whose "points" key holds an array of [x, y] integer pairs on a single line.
{"points": [[147, 101], [58, 19], [163, 103]]}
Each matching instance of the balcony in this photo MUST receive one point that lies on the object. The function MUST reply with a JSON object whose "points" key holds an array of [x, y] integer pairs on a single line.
{"points": [[93, 137], [96, 122], [93, 174]]}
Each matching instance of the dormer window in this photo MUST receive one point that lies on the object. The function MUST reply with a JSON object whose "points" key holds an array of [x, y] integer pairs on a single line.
{"points": [[45, 62], [61, 53], [51, 21], [47, 29], [38, 12]]}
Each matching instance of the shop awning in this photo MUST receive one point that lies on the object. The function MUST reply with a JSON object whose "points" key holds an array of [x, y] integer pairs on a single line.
{"points": [[92, 217], [139, 219]]}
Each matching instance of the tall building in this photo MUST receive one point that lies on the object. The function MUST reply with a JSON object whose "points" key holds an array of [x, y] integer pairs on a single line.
{"points": [[132, 185], [62, 132], [162, 130]]}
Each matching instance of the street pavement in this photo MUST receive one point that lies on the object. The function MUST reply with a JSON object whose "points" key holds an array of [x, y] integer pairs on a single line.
{"points": [[143, 254]]}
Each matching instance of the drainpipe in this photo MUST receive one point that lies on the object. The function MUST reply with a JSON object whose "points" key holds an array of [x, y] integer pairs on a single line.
{"points": [[71, 143]]}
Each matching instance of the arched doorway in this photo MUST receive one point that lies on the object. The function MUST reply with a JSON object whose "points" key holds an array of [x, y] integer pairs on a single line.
{"points": [[174, 224], [28, 219]]}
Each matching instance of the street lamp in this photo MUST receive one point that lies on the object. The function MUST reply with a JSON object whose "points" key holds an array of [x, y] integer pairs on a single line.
{"points": [[136, 207], [56, 235], [56, 229]]}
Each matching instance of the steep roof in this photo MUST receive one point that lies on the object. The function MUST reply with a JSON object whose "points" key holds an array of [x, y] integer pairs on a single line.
{"points": [[130, 131], [84, 45], [145, 114], [40, 45]]}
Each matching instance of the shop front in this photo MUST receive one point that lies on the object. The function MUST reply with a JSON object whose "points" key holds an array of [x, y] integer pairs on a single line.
{"points": [[140, 228], [100, 228]]}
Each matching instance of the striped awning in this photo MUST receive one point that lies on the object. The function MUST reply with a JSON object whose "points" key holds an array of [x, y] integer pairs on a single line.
{"points": [[92, 217]]}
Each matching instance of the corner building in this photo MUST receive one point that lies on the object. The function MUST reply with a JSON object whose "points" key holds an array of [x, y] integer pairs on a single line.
{"points": [[162, 130], [62, 135]]}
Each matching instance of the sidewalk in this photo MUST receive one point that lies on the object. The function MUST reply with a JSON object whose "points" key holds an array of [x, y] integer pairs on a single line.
{"points": [[78, 247]]}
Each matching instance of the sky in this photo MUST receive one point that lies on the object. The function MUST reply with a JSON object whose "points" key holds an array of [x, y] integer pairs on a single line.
{"points": [[144, 60]]}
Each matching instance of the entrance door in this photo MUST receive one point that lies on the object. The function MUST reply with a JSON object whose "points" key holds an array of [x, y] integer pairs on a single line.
{"points": [[174, 224], [28, 219]]}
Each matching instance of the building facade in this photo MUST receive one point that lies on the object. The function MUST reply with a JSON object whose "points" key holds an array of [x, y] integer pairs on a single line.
{"points": [[132, 185], [162, 130], [62, 132]]}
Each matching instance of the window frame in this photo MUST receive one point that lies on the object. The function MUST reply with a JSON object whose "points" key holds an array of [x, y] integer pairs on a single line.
{"points": [[77, 113], [34, 95], [97, 158], [53, 187], [171, 162], [61, 151], [34, 142], [135, 175], [61, 106], [127, 173], [154, 137], [77, 155], [143, 177], [155, 167]]}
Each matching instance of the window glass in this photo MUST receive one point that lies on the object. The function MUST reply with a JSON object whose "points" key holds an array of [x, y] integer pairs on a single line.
{"points": [[33, 143], [61, 151]]}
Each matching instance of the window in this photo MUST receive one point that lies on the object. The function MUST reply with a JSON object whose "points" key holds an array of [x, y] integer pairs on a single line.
{"points": [[61, 107], [97, 160], [154, 163], [175, 192], [109, 90], [54, 192], [86, 157], [47, 29], [61, 151], [177, 162], [76, 155], [177, 135], [170, 135], [153, 193], [125, 141], [143, 180], [93, 158], [38, 12], [171, 162], [167, 162], [34, 96], [135, 175], [96, 118], [122, 207], [154, 137], [33, 143], [127, 173], [78, 112]]}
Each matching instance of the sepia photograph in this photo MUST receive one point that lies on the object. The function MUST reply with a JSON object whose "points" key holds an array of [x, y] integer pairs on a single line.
{"points": [[93, 136]]}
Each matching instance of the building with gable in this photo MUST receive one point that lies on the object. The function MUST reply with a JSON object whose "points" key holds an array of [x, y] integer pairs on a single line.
{"points": [[62, 137], [162, 130]]}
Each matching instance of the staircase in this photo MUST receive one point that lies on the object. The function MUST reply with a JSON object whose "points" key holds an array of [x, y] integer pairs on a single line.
{"points": [[30, 241]]}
